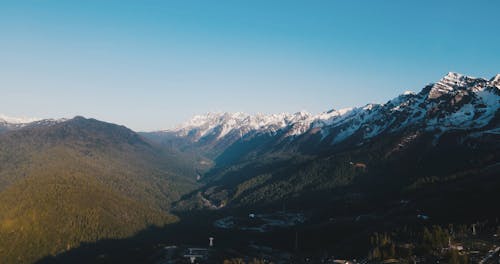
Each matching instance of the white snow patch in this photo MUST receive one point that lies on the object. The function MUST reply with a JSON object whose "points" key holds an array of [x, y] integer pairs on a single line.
{"points": [[18, 120]]}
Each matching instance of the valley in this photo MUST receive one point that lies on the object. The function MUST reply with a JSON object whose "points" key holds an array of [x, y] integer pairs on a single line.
{"points": [[413, 180]]}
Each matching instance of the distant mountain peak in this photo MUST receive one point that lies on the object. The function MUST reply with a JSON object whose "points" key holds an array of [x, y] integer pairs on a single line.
{"points": [[469, 103], [495, 81], [18, 120], [454, 75], [449, 83], [14, 123]]}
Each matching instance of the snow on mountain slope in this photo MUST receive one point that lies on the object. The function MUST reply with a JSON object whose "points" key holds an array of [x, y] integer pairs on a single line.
{"points": [[8, 123], [17, 120], [448, 83], [495, 81], [454, 102], [204, 125]]}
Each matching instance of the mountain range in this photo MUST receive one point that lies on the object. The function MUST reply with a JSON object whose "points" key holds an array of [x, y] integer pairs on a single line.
{"points": [[64, 182], [458, 115], [454, 102]]}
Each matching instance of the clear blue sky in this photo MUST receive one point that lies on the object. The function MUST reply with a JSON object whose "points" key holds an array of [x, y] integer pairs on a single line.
{"points": [[152, 64]]}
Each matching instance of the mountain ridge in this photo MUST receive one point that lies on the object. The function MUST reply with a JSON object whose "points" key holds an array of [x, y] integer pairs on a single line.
{"points": [[457, 116], [456, 101], [439, 141], [227, 121]]}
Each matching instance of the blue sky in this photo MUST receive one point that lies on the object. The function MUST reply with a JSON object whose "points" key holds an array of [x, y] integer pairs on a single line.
{"points": [[152, 64]]}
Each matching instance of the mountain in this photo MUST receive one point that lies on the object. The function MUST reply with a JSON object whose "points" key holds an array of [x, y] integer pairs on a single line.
{"points": [[9, 123], [449, 127], [66, 182], [454, 102], [13, 123], [16, 120], [348, 173]]}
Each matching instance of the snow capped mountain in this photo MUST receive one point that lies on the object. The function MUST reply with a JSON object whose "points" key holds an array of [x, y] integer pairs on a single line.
{"points": [[495, 81], [454, 102], [8, 123], [222, 124], [17, 120], [448, 83]]}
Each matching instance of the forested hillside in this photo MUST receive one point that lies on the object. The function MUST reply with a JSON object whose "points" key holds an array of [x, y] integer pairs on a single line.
{"points": [[81, 180]]}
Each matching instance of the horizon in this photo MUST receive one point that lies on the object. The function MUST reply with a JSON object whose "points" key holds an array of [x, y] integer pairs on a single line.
{"points": [[153, 65], [25, 119]]}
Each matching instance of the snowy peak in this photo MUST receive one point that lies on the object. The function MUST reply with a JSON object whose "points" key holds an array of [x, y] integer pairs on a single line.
{"points": [[450, 82], [453, 82], [222, 124], [454, 102], [12, 123], [17, 120], [495, 81], [406, 93], [454, 76]]}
